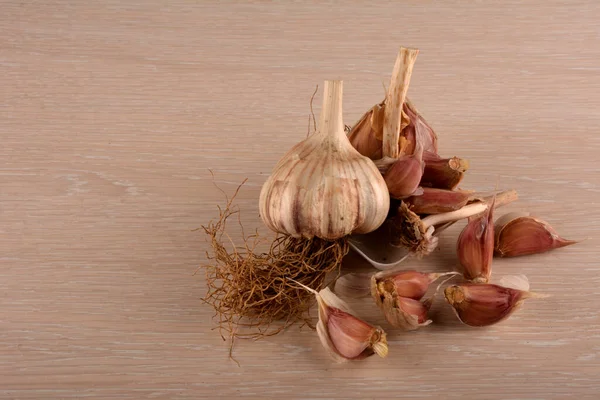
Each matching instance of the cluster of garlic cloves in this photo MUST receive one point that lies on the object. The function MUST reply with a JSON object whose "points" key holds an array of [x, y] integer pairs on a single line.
{"points": [[408, 229], [400, 296]]}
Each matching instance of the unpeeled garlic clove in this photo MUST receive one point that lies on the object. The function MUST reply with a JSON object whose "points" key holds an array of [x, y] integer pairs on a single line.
{"points": [[406, 314], [404, 283], [417, 132], [475, 247], [343, 335], [415, 310], [404, 175], [519, 234], [483, 304], [366, 135], [436, 201], [443, 173]]}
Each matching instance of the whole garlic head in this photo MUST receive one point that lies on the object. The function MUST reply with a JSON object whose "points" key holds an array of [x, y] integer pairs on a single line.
{"points": [[323, 187]]}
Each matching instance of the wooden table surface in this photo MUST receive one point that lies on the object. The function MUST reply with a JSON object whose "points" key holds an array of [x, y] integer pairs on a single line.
{"points": [[113, 112]]}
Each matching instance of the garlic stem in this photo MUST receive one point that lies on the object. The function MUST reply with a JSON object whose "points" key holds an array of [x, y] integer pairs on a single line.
{"points": [[331, 122], [395, 98], [502, 198], [465, 212]]}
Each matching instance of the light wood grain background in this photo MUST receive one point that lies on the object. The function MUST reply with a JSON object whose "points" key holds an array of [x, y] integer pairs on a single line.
{"points": [[112, 113]]}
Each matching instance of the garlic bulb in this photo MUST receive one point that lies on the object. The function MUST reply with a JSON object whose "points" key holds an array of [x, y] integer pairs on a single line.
{"points": [[323, 187]]}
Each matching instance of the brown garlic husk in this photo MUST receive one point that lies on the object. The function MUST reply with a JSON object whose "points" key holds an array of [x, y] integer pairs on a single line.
{"points": [[399, 295], [345, 336], [443, 173], [409, 230], [404, 175], [519, 234], [484, 304], [436, 201], [475, 247]]}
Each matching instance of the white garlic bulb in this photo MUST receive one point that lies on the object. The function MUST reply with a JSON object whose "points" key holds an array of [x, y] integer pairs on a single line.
{"points": [[323, 187]]}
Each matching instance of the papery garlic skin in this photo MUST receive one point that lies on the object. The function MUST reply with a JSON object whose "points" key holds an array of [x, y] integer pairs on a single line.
{"points": [[323, 187]]}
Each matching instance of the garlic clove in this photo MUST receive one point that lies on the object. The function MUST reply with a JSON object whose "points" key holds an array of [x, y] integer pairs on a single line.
{"points": [[402, 312], [417, 132], [484, 304], [403, 283], [521, 234], [404, 175], [443, 173], [343, 335], [399, 295], [406, 314], [417, 310], [364, 135], [323, 187], [436, 201], [350, 335], [475, 247]]}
